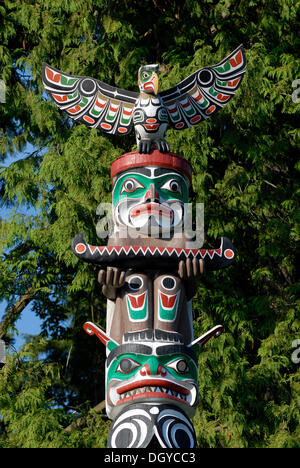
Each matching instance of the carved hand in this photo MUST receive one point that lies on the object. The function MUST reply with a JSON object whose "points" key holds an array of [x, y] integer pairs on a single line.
{"points": [[112, 278], [189, 270]]}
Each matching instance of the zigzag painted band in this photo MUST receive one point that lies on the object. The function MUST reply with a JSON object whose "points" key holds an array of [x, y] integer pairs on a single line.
{"points": [[214, 259]]}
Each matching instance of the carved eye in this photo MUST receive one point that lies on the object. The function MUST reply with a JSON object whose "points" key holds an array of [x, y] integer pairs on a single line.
{"points": [[130, 185], [172, 185], [168, 282], [145, 75], [135, 283], [180, 365], [127, 365]]}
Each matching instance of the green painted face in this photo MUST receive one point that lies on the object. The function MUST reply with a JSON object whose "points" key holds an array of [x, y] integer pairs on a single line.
{"points": [[168, 186], [127, 366], [140, 200], [164, 376]]}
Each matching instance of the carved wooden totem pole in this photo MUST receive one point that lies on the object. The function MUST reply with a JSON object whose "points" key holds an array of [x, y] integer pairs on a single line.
{"points": [[148, 269]]}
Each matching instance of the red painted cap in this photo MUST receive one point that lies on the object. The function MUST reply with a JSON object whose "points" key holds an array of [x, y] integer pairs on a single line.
{"points": [[156, 158]]}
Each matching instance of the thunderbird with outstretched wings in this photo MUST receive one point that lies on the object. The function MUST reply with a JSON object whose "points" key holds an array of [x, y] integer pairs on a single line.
{"points": [[116, 111]]}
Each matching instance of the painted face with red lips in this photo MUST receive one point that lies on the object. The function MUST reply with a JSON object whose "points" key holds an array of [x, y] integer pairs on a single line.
{"points": [[141, 201], [151, 372]]}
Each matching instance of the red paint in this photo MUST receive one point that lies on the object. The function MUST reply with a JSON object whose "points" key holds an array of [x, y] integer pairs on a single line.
{"points": [[151, 395], [125, 112], [137, 302], [52, 76], [60, 98], [198, 97], [153, 383], [113, 108], [151, 127], [222, 97], [106, 126], [99, 104], [92, 329], [155, 158], [74, 110], [228, 253], [236, 60], [210, 110], [195, 119], [80, 248], [88, 119], [187, 104], [150, 208], [233, 83], [168, 301], [151, 193]]}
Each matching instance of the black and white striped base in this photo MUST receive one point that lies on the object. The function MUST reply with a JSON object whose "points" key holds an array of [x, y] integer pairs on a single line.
{"points": [[138, 424]]}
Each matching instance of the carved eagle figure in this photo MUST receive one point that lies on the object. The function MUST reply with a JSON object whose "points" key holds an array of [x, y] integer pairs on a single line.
{"points": [[116, 111]]}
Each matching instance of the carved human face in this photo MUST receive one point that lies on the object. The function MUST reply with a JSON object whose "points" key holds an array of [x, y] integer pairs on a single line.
{"points": [[150, 197], [151, 372]]}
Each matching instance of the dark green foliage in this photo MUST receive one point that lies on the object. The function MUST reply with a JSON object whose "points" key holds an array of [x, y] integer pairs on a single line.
{"points": [[245, 165]]}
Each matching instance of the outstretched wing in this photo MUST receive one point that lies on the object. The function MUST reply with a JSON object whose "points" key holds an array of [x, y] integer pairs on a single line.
{"points": [[203, 93], [91, 101]]}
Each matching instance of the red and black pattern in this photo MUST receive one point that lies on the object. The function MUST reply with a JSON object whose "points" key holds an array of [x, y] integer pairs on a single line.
{"points": [[91, 101], [153, 256], [206, 91], [111, 109]]}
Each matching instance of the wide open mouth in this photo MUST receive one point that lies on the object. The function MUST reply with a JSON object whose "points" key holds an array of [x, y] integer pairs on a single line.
{"points": [[156, 388]]}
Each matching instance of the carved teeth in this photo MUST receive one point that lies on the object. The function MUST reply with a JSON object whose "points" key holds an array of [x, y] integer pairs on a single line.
{"points": [[167, 391]]}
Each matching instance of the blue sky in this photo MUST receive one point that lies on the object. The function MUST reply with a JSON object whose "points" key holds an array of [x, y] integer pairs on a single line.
{"points": [[28, 323]]}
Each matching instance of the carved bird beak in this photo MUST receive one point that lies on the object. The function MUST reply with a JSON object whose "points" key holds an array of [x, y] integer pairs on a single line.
{"points": [[155, 83], [152, 85]]}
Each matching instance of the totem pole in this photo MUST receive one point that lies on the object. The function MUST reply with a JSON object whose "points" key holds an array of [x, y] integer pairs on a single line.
{"points": [[148, 269]]}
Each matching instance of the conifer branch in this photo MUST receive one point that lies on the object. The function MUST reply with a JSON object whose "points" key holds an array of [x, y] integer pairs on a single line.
{"points": [[14, 312], [79, 422]]}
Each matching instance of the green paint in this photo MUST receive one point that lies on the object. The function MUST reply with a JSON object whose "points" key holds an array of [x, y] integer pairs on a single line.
{"points": [[64, 80], [225, 68], [168, 314], [145, 181], [138, 315], [212, 92], [83, 102], [153, 361], [73, 96]]}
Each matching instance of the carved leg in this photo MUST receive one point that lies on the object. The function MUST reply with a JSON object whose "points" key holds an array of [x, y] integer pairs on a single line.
{"points": [[170, 306]]}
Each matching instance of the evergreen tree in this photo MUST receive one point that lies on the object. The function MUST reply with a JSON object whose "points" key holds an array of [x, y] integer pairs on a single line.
{"points": [[245, 170]]}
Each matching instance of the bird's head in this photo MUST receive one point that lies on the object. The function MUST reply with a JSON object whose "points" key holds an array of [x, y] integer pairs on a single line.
{"points": [[148, 79]]}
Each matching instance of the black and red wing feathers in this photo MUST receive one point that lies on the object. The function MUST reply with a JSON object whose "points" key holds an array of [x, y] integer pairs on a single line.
{"points": [[206, 91], [91, 101]]}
